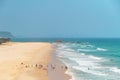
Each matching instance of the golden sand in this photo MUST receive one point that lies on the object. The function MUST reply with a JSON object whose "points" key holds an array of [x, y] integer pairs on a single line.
{"points": [[18, 60]]}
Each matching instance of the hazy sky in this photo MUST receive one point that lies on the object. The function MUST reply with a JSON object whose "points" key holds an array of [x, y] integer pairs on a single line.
{"points": [[61, 18]]}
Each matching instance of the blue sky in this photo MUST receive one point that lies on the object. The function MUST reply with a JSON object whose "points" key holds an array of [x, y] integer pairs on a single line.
{"points": [[60, 18]]}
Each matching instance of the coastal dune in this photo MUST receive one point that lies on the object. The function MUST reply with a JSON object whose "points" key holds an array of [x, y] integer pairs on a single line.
{"points": [[19, 61]]}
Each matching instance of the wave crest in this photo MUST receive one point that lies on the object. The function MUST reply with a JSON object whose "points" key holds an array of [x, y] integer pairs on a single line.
{"points": [[101, 49]]}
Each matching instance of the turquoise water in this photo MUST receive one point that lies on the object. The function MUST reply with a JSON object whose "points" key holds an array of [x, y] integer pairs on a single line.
{"points": [[88, 59]]}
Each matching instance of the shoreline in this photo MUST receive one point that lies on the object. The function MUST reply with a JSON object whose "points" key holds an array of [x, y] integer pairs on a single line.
{"points": [[60, 72]]}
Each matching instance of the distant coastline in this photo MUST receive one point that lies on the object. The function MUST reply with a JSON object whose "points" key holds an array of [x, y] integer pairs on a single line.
{"points": [[6, 34]]}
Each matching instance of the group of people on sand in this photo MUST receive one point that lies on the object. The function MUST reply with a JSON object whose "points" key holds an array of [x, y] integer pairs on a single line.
{"points": [[54, 66], [43, 67], [39, 66]]}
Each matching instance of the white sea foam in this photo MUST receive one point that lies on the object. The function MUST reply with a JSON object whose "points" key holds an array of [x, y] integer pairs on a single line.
{"points": [[115, 69], [85, 69], [91, 46], [101, 49], [93, 57], [82, 53], [83, 62], [86, 46]]}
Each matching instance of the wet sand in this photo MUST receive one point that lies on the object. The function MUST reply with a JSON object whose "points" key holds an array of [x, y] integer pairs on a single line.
{"points": [[58, 73]]}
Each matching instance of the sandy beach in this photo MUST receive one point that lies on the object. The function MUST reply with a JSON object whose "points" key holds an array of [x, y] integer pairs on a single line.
{"points": [[28, 61], [18, 61]]}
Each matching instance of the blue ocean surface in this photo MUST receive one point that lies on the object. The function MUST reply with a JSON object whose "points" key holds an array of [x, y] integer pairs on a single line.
{"points": [[87, 59]]}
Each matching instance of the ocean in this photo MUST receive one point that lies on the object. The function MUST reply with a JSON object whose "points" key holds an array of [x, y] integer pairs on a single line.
{"points": [[87, 58]]}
